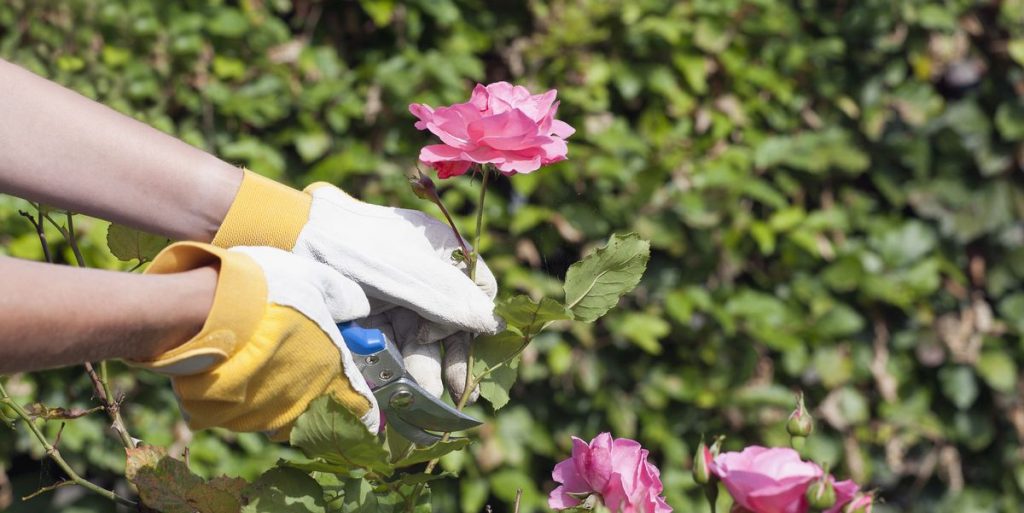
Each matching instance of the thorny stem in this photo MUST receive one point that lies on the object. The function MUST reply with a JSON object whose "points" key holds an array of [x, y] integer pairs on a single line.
{"points": [[73, 239], [40, 231], [471, 383], [455, 230], [423, 187], [479, 223], [110, 404], [99, 383], [55, 455]]}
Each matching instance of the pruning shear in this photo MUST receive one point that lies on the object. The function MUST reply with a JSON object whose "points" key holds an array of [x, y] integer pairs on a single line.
{"points": [[407, 406]]}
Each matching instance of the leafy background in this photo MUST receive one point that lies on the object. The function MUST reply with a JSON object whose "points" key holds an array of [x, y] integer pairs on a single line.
{"points": [[832, 190]]}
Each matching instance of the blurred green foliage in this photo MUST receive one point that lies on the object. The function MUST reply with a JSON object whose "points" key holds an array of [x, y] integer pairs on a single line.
{"points": [[832, 190]]}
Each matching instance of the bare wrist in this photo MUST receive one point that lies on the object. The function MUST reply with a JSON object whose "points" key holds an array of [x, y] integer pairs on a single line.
{"points": [[184, 306]]}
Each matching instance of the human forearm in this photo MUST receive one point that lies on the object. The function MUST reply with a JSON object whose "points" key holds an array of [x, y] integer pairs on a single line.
{"points": [[60, 148], [55, 315]]}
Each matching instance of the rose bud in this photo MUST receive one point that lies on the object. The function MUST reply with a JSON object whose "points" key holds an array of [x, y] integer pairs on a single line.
{"points": [[821, 494], [423, 186], [702, 464], [800, 423]]}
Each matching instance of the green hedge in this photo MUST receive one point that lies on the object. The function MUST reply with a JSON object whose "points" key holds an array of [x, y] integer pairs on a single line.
{"points": [[832, 190]]}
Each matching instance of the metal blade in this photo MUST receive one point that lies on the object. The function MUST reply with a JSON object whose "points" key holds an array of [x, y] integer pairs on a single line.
{"points": [[406, 400], [413, 433]]}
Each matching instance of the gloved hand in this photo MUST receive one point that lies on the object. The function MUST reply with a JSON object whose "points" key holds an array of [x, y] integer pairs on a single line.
{"points": [[269, 345], [401, 258]]}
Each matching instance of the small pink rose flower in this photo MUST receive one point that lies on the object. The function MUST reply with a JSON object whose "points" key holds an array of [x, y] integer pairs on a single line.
{"points": [[845, 491], [617, 469], [766, 480], [862, 503], [501, 124]]}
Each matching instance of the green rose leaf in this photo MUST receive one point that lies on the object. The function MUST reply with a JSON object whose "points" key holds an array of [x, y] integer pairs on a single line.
{"points": [[529, 317], [129, 244], [496, 385], [594, 285], [283, 490], [998, 370], [959, 385], [328, 431], [493, 350]]}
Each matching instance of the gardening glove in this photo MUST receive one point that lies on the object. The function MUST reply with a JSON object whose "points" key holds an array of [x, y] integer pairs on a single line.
{"points": [[401, 258], [269, 345]]}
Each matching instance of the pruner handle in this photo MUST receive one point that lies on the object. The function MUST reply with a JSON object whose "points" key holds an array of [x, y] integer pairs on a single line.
{"points": [[360, 340]]}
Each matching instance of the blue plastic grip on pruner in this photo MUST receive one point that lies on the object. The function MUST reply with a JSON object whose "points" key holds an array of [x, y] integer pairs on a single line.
{"points": [[361, 340]]}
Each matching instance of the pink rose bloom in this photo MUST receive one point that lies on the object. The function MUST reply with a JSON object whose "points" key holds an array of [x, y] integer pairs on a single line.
{"points": [[501, 124], [767, 480], [845, 491], [617, 469], [862, 503]]}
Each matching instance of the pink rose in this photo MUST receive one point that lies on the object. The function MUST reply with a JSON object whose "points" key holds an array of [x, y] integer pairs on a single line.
{"points": [[617, 469], [845, 491], [501, 124], [862, 503], [767, 480]]}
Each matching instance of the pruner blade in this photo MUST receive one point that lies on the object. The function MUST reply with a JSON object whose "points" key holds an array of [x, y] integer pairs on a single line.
{"points": [[407, 406]]}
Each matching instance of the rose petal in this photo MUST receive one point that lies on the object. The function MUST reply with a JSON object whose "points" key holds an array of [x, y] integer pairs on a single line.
{"points": [[511, 130], [448, 169], [845, 491], [479, 98], [423, 112], [561, 129]]}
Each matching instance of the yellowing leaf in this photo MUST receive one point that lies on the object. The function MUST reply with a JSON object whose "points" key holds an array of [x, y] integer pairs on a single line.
{"points": [[167, 485]]}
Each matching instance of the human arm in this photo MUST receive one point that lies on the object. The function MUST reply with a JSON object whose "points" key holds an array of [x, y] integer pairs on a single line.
{"points": [[59, 315], [63, 149], [235, 329]]}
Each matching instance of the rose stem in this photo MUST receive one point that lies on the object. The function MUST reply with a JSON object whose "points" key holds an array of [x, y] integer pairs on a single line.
{"points": [[479, 222]]}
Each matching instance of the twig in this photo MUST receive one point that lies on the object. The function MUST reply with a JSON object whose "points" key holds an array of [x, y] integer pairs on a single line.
{"points": [[47, 488], [113, 408], [56, 439], [479, 223], [73, 240], [424, 188], [99, 384], [519, 497], [41, 411], [54, 454], [471, 383], [40, 232]]}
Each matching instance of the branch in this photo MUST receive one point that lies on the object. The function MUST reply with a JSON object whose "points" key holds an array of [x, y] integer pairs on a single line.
{"points": [[54, 454], [100, 385], [40, 232], [112, 406], [48, 488]]}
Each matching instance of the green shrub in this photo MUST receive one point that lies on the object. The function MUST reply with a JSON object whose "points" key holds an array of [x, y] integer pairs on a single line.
{"points": [[832, 190]]}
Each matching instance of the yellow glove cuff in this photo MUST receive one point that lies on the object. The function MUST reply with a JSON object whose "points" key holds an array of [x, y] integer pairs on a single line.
{"points": [[254, 366], [264, 213], [238, 305]]}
